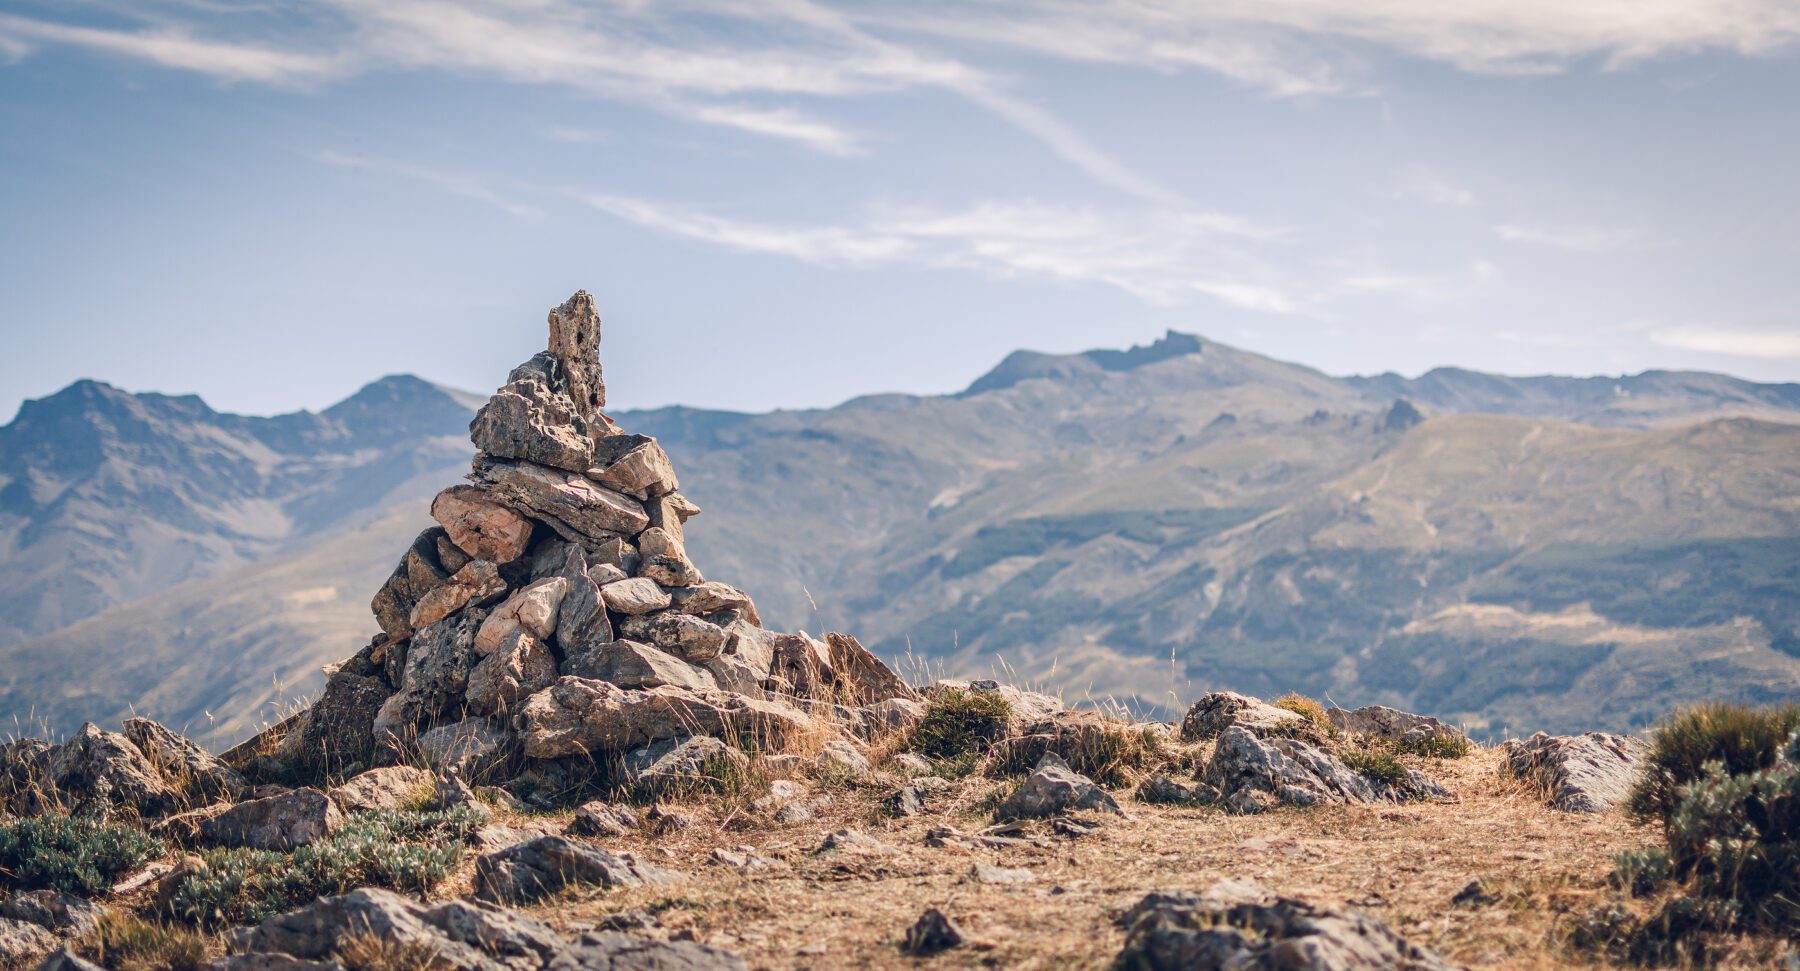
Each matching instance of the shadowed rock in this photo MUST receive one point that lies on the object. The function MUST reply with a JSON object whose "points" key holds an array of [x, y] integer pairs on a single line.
{"points": [[542, 866]]}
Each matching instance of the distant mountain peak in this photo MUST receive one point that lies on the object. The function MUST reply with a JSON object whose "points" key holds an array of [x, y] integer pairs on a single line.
{"points": [[1026, 365]]}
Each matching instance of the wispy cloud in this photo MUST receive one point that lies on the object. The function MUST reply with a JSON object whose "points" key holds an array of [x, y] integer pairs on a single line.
{"points": [[465, 186], [1737, 341], [173, 48], [1159, 257], [1584, 239]]}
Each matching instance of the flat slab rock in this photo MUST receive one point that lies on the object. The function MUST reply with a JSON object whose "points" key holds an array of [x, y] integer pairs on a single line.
{"points": [[1219, 710], [1588, 773], [1245, 927]]}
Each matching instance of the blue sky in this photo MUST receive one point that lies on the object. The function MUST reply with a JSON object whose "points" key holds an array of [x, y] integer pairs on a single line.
{"points": [[784, 204]]}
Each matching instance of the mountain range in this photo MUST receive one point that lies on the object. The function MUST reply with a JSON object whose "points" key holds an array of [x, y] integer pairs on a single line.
{"points": [[1127, 526]]}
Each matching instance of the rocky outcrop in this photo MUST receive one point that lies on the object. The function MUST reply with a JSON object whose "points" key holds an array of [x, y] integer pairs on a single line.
{"points": [[1219, 710], [1241, 925], [1294, 772], [1588, 773], [1381, 721]]}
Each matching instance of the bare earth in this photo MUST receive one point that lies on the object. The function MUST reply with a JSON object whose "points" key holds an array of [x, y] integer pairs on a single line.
{"points": [[850, 909]]}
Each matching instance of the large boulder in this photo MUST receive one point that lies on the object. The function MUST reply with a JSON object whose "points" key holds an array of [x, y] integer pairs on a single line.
{"points": [[1219, 710], [1244, 927], [540, 867], [577, 716], [480, 527], [1299, 774], [283, 822], [570, 503], [1588, 773]]}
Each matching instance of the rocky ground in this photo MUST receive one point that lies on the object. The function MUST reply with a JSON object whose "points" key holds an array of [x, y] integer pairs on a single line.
{"points": [[567, 749]]}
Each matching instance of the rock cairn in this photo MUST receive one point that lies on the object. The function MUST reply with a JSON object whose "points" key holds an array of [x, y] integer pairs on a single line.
{"points": [[552, 614]]}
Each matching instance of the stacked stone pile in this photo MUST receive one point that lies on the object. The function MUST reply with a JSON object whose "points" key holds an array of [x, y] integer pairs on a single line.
{"points": [[553, 611]]}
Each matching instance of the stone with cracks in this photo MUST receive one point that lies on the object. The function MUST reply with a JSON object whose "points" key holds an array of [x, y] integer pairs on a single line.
{"points": [[60, 913], [567, 502], [520, 667], [530, 418], [468, 748], [200, 775], [438, 664], [581, 620], [674, 765], [281, 822], [532, 608], [711, 597], [575, 343], [663, 559], [1242, 926], [577, 716], [1053, 788], [419, 572], [604, 820], [338, 729], [389, 787], [670, 512], [1588, 773], [478, 582], [95, 767], [484, 529], [540, 867], [638, 595], [21, 941], [634, 465], [1219, 710], [860, 675], [688, 638], [629, 664]]}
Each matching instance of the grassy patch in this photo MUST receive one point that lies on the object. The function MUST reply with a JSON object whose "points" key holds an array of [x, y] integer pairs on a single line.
{"points": [[70, 854], [1376, 766], [1434, 745], [961, 722], [405, 851], [125, 943], [372, 952]]}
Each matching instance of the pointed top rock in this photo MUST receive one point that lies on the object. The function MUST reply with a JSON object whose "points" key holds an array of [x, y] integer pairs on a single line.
{"points": [[575, 340]]}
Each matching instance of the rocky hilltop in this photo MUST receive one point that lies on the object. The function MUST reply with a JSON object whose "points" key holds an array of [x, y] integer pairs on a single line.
{"points": [[568, 749]]}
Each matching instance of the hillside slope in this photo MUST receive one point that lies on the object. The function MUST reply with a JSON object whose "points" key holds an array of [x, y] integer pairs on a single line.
{"points": [[1120, 524]]}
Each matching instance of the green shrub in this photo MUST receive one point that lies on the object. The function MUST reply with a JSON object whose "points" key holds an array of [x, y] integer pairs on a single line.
{"points": [[70, 854], [1307, 708], [1742, 739], [406, 851], [1642, 872], [961, 722]]}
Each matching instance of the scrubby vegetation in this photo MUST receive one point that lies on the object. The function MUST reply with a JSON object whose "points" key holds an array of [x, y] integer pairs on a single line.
{"points": [[1725, 786], [961, 722], [71, 854], [405, 851], [1376, 765], [1434, 745]]}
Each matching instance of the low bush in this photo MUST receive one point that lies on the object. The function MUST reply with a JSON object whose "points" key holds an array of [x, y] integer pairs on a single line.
{"points": [[71, 854], [406, 851], [1309, 709], [961, 722], [1741, 739]]}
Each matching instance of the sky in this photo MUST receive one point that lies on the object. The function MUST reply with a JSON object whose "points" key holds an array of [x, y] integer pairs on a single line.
{"points": [[785, 203]]}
